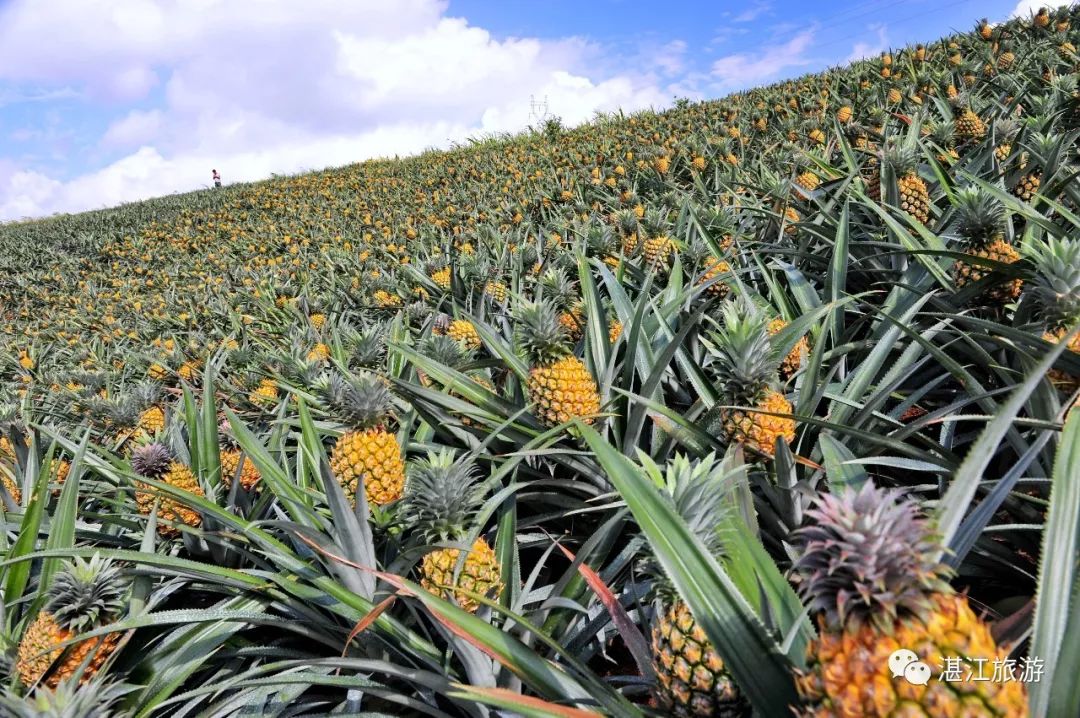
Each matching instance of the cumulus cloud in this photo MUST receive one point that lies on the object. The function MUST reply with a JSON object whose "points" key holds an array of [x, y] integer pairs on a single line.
{"points": [[746, 69], [863, 49], [280, 86], [1025, 8]]}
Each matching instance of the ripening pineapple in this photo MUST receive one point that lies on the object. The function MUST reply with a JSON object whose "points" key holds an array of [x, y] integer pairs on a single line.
{"points": [[888, 593], [658, 249], [441, 277], [715, 267], [692, 680], [747, 370], [912, 194], [573, 321], [366, 454], [981, 220], [1027, 186], [969, 126], [496, 290], [231, 466], [265, 393], [151, 420], [155, 462], [83, 596], [807, 180], [559, 385], [794, 358], [442, 498], [463, 331]]}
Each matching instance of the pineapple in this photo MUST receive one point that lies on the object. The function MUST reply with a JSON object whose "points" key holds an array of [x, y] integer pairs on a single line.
{"points": [[715, 267], [463, 331], [151, 420], [441, 277], [658, 250], [981, 219], [807, 180], [265, 393], [559, 385], [969, 126], [692, 681], [866, 568], [366, 454], [794, 358], [747, 376], [231, 467], [442, 497], [1027, 186], [155, 462], [912, 194], [83, 596]]}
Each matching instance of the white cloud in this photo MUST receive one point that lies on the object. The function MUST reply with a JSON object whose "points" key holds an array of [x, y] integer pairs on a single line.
{"points": [[863, 50], [279, 86], [746, 69], [136, 128], [1025, 8], [753, 12]]}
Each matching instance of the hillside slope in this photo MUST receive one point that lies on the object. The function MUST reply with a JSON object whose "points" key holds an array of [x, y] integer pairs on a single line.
{"points": [[343, 434]]}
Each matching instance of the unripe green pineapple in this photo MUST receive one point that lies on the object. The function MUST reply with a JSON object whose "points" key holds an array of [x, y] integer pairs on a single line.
{"points": [[866, 569], [366, 454], [83, 596], [442, 497], [980, 224], [747, 366], [95, 698], [559, 386], [692, 680]]}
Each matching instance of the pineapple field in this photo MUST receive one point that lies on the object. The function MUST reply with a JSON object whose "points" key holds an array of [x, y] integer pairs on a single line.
{"points": [[754, 406]]}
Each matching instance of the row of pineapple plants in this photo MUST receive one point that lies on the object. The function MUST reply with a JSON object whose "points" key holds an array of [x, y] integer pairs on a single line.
{"points": [[573, 421]]}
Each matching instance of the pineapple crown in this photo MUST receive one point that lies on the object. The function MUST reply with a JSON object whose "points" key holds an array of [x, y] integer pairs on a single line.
{"points": [[151, 460], [866, 556], [1056, 285], [540, 334], [696, 489], [95, 698], [442, 496], [366, 347], [445, 350], [980, 215], [747, 361], [86, 594], [361, 401], [903, 157], [557, 288]]}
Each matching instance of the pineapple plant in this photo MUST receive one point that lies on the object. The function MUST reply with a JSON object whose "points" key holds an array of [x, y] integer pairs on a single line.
{"points": [[442, 498], [794, 358], [155, 461], [980, 225], [84, 595], [747, 370], [692, 680], [867, 567], [560, 387], [366, 454], [1055, 289], [969, 126]]}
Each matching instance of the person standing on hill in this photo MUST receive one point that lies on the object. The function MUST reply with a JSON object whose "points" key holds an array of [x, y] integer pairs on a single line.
{"points": [[217, 178]]}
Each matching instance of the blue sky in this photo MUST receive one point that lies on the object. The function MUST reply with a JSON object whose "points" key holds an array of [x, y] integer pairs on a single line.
{"points": [[103, 101]]}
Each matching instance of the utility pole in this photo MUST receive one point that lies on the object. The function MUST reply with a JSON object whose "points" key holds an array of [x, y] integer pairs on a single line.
{"points": [[538, 110]]}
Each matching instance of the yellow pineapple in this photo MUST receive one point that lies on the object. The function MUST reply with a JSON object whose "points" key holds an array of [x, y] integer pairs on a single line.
{"points": [[559, 385], [152, 420], [794, 358], [441, 277], [691, 678], [747, 368], [715, 267], [266, 393], [1027, 186], [980, 226], [888, 593], [155, 462], [83, 596], [366, 454], [230, 465], [463, 331], [442, 497], [658, 249], [969, 126]]}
